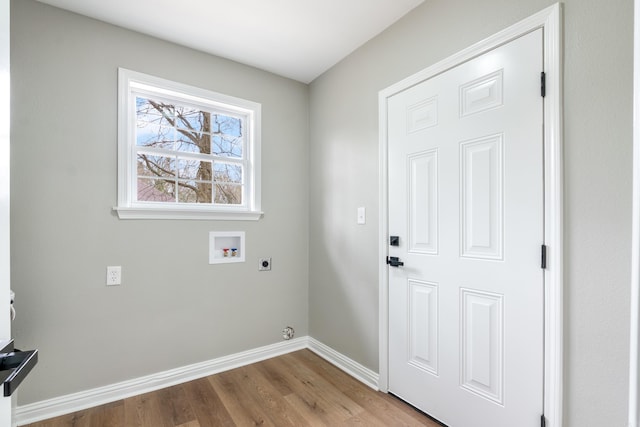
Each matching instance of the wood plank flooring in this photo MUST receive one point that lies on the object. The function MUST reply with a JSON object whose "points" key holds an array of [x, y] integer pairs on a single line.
{"points": [[297, 389]]}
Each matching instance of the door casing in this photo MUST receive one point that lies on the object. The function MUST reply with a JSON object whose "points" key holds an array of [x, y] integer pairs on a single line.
{"points": [[549, 20], [5, 264], [634, 315]]}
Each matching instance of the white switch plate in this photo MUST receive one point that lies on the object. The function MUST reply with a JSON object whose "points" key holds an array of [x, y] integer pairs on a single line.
{"points": [[362, 215], [114, 275]]}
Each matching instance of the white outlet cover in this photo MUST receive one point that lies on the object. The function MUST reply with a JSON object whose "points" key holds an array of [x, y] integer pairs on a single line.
{"points": [[114, 275]]}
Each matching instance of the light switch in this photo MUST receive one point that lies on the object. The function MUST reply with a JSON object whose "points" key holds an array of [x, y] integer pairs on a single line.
{"points": [[362, 215]]}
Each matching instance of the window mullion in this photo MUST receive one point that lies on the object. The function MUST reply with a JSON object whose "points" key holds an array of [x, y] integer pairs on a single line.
{"points": [[182, 154]]}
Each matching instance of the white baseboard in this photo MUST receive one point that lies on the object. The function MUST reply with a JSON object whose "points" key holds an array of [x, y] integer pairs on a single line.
{"points": [[26, 414], [351, 367], [57, 406]]}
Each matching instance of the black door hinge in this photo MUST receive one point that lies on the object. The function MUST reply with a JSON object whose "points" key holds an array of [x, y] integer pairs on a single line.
{"points": [[543, 84], [543, 421], [543, 256]]}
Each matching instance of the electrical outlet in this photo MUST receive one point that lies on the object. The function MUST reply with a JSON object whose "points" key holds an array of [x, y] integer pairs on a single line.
{"points": [[114, 275], [264, 264]]}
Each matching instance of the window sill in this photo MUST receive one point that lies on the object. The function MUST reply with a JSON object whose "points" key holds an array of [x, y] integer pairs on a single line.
{"points": [[155, 213]]}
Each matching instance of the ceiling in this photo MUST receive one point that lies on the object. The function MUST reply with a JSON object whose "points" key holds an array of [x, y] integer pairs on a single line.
{"points": [[299, 39]]}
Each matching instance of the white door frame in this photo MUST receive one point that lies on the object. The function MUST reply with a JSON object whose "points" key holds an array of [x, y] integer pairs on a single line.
{"points": [[549, 20], [634, 336], [5, 107]]}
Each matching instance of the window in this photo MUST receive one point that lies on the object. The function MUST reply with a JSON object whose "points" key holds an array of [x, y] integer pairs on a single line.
{"points": [[185, 152]]}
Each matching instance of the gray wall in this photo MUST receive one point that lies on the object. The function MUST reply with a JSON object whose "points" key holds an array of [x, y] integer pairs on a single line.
{"points": [[173, 308], [343, 310]]}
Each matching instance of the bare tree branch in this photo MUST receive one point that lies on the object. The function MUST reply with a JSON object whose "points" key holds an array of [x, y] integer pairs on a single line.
{"points": [[200, 137]]}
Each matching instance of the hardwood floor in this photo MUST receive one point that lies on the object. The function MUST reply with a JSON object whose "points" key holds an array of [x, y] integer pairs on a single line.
{"points": [[297, 389]]}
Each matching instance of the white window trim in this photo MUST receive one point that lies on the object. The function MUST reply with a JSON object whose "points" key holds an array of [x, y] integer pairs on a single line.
{"points": [[128, 207]]}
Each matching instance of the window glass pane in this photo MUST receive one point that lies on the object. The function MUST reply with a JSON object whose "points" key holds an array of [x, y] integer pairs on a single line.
{"points": [[193, 119], [193, 142], [231, 126], [194, 192], [152, 135], [228, 194], [155, 112], [227, 172], [194, 169], [227, 146], [156, 190], [150, 165]]}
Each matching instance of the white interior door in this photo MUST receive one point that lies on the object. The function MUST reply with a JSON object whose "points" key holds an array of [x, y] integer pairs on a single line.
{"points": [[5, 324], [466, 201]]}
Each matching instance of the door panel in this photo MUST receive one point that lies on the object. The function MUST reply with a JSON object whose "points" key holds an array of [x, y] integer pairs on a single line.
{"points": [[481, 359], [423, 202], [466, 199], [423, 326], [481, 171]]}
